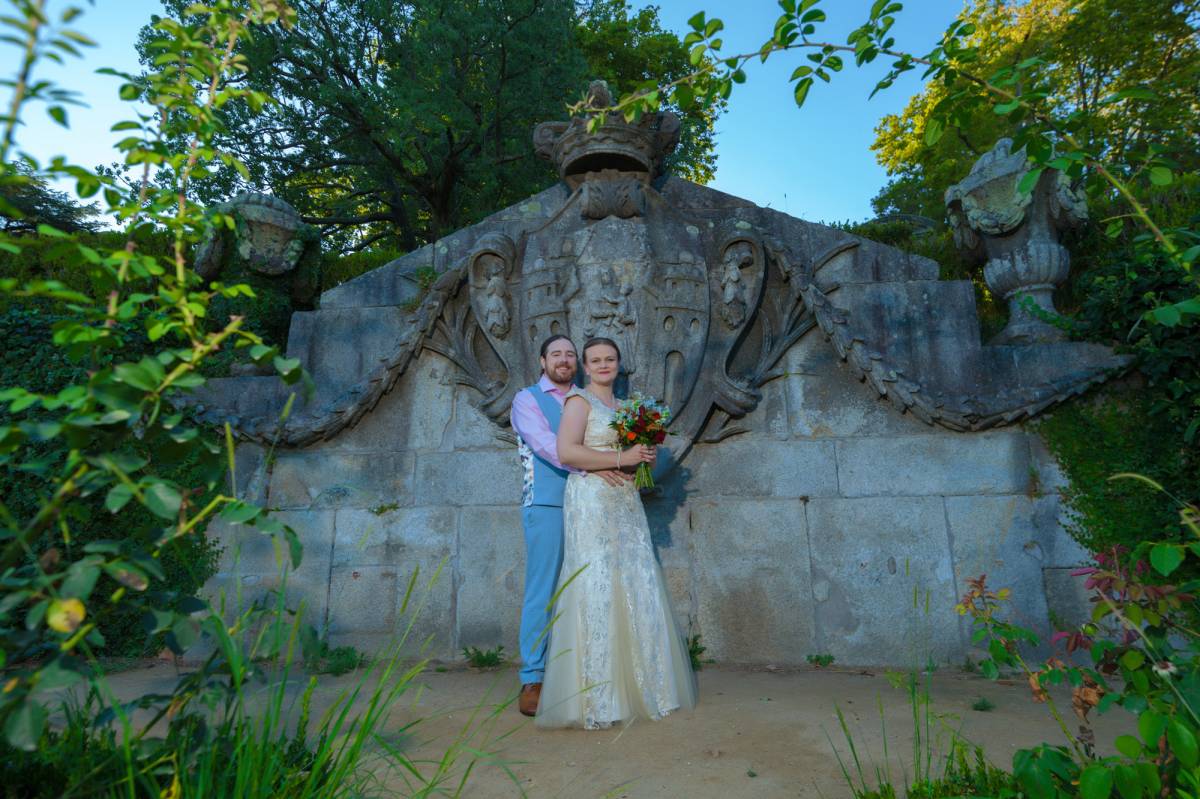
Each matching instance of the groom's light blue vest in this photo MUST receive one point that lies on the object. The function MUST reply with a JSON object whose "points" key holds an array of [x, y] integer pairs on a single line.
{"points": [[544, 482]]}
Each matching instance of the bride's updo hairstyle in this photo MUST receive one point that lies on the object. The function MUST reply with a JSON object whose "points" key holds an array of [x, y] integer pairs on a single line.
{"points": [[596, 342]]}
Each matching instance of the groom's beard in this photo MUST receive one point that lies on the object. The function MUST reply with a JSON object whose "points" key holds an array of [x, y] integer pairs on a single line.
{"points": [[562, 374]]}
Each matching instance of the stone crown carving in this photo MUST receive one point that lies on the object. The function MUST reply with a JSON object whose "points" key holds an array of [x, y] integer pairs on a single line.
{"points": [[639, 146]]}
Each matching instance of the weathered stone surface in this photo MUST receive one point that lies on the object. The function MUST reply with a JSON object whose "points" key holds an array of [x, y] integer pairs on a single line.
{"points": [[907, 326], [751, 467], [1046, 473], [315, 479], [373, 564], [256, 564], [825, 400], [341, 347], [1069, 602], [251, 473], [669, 520], [416, 415], [1009, 539], [393, 284], [481, 477], [882, 581], [753, 589], [490, 581], [471, 429], [243, 397], [994, 463], [388, 537]]}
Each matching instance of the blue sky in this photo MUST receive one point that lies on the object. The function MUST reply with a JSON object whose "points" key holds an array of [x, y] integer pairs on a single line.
{"points": [[814, 162]]}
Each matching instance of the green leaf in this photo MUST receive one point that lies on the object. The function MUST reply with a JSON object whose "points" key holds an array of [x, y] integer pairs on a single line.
{"points": [[1148, 777], [288, 368], [23, 728], [81, 579], [1183, 743], [1150, 727], [52, 232], [801, 92], [1161, 176], [239, 512], [184, 633], [1133, 660], [1165, 558], [128, 575], [1095, 782], [1030, 180], [1003, 109], [58, 114], [1129, 746], [163, 500], [295, 548], [1129, 783], [135, 375], [1167, 315]]}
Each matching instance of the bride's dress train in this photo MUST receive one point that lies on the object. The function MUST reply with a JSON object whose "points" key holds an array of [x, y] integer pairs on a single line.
{"points": [[616, 652]]}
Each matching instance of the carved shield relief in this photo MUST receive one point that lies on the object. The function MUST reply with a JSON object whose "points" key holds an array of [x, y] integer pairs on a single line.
{"points": [[615, 264]]}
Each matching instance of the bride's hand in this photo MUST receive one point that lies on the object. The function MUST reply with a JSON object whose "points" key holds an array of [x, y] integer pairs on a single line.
{"points": [[640, 453]]}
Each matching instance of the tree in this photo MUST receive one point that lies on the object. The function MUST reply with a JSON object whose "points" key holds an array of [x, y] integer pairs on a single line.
{"points": [[1087, 52], [399, 123], [27, 201]]}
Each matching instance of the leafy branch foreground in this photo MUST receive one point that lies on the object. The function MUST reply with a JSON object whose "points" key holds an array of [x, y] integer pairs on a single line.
{"points": [[114, 433]]}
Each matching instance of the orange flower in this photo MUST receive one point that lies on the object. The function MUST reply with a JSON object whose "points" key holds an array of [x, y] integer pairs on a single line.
{"points": [[631, 436]]}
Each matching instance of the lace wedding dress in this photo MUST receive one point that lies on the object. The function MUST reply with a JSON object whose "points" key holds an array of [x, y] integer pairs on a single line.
{"points": [[615, 650]]}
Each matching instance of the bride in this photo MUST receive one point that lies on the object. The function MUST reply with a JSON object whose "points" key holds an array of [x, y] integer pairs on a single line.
{"points": [[615, 651]]}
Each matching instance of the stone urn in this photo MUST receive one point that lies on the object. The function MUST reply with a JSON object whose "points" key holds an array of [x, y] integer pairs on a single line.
{"points": [[1016, 235], [275, 252]]}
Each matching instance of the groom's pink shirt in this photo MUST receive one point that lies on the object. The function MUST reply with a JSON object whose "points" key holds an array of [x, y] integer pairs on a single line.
{"points": [[532, 427]]}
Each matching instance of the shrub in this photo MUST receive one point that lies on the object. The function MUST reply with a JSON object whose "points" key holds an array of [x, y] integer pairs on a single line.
{"points": [[1116, 433]]}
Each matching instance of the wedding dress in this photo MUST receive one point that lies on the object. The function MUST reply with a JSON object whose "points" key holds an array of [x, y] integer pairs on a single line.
{"points": [[616, 652]]}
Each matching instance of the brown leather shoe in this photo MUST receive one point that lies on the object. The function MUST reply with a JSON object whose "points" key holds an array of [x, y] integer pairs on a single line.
{"points": [[530, 694]]}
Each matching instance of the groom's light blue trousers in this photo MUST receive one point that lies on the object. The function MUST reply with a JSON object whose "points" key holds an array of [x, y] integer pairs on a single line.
{"points": [[543, 559]]}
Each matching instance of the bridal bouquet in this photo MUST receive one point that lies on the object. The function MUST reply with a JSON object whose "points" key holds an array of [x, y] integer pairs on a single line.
{"points": [[641, 420]]}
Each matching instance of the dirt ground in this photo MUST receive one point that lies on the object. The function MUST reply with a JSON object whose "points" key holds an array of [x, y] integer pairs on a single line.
{"points": [[754, 733]]}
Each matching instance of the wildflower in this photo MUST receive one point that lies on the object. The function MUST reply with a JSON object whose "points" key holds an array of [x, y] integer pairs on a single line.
{"points": [[1165, 669]]}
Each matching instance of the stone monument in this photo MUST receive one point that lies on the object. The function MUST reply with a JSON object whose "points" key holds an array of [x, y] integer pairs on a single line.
{"points": [[843, 441]]}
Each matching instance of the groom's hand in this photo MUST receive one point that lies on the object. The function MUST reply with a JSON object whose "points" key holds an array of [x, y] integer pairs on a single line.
{"points": [[613, 477]]}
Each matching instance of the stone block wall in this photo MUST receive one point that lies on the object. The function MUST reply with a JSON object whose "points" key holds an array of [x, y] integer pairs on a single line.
{"points": [[832, 525]]}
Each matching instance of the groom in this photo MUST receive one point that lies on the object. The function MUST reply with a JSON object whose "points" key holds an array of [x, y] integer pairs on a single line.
{"points": [[536, 413]]}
